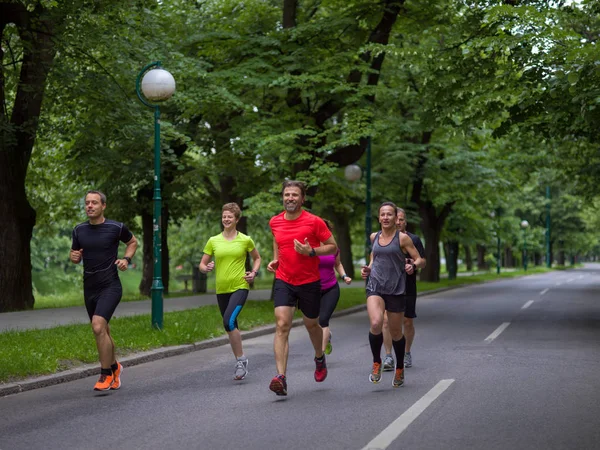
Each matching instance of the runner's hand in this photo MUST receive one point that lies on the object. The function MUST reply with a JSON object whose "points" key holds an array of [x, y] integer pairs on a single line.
{"points": [[210, 266], [409, 268], [122, 264], [273, 265], [76, 255], [250, 276], [303, 249], [365, 272], [347, 280]]}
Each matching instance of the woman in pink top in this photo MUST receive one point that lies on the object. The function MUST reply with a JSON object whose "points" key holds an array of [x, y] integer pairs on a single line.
{"points": [[330, 291]]}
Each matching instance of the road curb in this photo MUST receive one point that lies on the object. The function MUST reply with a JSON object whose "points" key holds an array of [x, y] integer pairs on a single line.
{"points": [[89, 370]]}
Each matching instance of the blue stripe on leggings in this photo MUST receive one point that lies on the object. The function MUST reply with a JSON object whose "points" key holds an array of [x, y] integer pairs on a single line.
{"points": [[234, 315]]}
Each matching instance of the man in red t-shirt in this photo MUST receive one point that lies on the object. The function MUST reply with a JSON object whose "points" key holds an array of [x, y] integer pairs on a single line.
{"points": [[298, 238]]}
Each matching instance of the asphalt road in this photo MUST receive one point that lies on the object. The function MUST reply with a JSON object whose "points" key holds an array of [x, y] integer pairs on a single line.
{"points": [[511, 364]]}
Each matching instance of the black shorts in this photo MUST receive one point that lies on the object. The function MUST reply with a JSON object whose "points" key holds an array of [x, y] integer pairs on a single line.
{"points": [[393, 303], [103, 301], [411, 306], [307, 297]]}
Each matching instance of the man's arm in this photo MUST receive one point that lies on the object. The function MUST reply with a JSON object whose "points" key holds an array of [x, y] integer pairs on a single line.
{"points": [[130, 248], [274, 264], [407, 246]]}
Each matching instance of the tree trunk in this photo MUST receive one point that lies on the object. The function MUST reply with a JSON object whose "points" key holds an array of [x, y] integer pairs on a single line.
{"points": [[342, 237], [17, 137], [468, 258], [148, 257], [561, 258], [451, 250], [509, 260], [481, 264], [431, 272]]}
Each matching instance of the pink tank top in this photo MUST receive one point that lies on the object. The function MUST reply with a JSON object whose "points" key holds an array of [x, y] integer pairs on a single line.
{"points": [[327, 271]]}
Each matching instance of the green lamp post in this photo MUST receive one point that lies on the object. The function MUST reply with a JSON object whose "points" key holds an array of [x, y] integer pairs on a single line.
{"points": [[155, 85], [524, 226]]}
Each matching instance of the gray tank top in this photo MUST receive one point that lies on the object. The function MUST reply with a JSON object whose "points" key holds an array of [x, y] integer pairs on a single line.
{"points": [[387, 272]]}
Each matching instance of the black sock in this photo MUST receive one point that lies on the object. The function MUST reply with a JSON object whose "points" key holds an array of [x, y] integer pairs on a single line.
{"points": [[399, 351], [376, 341], [114, 367], [321, 358], [104, 371]]}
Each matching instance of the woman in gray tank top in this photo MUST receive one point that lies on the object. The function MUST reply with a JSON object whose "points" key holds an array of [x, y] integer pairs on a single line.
{"points": [[386, 283]]}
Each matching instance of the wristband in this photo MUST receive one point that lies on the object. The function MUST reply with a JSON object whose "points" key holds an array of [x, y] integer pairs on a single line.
{"points": [[344, 276], [313, 252], [127, 258], [255, 273]]}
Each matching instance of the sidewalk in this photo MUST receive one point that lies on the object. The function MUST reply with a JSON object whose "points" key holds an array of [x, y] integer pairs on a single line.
{"points": [[53, 317]]}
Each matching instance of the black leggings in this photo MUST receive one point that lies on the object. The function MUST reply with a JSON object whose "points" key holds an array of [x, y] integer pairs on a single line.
{"points": [[329, 300], [230, 305]]}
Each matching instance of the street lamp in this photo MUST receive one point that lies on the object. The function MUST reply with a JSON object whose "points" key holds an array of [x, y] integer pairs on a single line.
{"points": [[524, 226], [156, 85], [353, 172], [499, 256]]}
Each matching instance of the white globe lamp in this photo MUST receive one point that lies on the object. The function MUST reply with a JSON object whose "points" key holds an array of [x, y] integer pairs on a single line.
{"points": [[352, 172], [158, 85]]}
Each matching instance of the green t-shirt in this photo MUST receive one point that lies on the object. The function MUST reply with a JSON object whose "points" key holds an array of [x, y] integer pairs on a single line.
{"points": [[230, 261]]}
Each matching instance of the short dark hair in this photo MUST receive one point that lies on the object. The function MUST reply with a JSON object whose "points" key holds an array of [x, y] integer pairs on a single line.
{"points": [[294, 183], [233, 208], [101, 194], [387, 204]]}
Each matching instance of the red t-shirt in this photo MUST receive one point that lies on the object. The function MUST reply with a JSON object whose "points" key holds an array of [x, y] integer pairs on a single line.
{"points": [[294, 268]]}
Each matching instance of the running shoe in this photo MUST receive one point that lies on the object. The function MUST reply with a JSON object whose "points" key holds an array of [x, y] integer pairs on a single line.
{"points": [[104, 383], [241, 369], [388, 363], [320, 370], [328, 347], [407, 359], [279, 385], [117, 377], [375, 375], [398, 378]]}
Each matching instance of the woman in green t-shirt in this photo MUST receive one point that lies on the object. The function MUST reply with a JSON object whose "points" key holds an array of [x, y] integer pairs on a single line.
{"points": [[229, 250]]}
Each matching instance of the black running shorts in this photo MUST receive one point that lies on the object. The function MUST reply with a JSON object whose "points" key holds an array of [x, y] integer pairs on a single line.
{"points": [[307, 297], [103, 302], [393, 303]]}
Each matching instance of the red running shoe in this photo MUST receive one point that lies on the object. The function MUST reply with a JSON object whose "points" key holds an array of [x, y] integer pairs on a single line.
{"points": [[279, 385], [321, 370]]}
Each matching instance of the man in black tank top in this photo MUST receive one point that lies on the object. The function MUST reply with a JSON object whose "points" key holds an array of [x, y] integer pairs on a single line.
{"points": [[386, 287], [96, 243], [411, 300]]}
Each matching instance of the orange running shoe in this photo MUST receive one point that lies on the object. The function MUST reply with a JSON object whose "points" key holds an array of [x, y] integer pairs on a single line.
{"points": [[398, 378], [375, 375], [117, 377], [104, 383]]}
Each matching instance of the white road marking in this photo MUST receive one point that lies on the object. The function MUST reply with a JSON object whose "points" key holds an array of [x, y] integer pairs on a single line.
{"points": [[527, 305], [544, 291], [497, 332], [387, 436], [558, 283], [570, 279]]}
